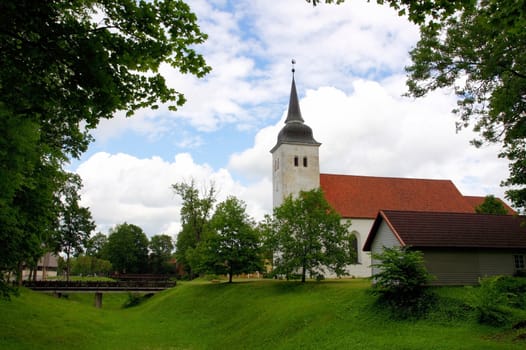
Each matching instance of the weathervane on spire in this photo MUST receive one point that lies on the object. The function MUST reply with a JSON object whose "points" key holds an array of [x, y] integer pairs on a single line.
{"points": [[293, 63]]}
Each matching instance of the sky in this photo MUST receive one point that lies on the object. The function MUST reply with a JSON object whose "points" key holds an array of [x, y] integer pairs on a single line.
{"points": [[350, 77]]}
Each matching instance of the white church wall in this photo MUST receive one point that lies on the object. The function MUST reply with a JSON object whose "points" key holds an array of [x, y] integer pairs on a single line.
{"points": [[360, 228]]}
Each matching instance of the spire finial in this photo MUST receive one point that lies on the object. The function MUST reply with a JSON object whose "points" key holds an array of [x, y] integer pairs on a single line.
{"points": [[294, 114]]}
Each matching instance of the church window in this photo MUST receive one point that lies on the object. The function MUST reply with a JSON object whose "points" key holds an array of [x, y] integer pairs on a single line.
{"points": [[305, 162], [276, 164], [296, 160], [353, 247], [519, 262]]}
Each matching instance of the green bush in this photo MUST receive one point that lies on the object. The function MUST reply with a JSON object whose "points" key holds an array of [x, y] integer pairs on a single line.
{"points": [[514, 288], [496, 299], [401, 281]]}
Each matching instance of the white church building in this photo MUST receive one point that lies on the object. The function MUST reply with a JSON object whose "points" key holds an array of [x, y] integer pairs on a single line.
{"points": [[296, 167]]}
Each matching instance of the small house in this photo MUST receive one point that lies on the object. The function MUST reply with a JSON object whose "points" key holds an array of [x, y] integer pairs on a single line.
{"points": [[458, 248]]}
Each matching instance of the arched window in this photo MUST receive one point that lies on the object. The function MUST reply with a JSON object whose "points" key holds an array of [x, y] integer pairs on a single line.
{"points": [[305, 162], [296, 160], [353, 247]]}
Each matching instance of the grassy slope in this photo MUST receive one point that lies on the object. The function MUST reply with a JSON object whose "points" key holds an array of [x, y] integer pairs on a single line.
{"points": [[249, 315]]}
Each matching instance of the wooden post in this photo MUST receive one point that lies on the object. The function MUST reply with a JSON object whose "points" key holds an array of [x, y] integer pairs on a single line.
{"points": [[98, 300]]}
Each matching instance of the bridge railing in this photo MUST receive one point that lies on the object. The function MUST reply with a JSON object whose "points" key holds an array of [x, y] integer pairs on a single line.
{"points": [[95, 285], [140, 277]]}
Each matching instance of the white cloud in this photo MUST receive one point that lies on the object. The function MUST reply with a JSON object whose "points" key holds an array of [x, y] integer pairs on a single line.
{"points": [[250, 49], [120, 188], [374, 131], [350, 79]]}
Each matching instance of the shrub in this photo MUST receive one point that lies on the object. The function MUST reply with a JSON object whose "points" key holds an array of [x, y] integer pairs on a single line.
{"points": [[489, 303], [401, 281], [496, 297], [514, 288]]}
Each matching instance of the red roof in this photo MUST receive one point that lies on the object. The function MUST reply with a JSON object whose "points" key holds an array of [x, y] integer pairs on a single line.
{"points": [[475, 201], [363, 196], [452, 230]]}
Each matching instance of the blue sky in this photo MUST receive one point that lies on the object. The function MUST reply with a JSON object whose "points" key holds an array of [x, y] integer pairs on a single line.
{"points": [[350, 79]]}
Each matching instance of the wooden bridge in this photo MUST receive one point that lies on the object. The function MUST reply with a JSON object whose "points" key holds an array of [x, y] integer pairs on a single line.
{"points": [[99, 287]]}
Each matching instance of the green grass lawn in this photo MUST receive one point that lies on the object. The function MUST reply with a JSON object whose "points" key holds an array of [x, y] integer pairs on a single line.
{"points": [[246, 315]]}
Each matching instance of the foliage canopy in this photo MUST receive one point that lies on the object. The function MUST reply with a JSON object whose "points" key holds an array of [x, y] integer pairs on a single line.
{"points": [[491, 205], [196, 211], [161, 248], [74, 222], [307, 236], [128, 249], [65, 65], [232, 244], [401, 279]]}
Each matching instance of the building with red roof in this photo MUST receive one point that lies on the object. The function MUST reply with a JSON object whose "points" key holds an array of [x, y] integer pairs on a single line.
{"points": [[296, 168]]}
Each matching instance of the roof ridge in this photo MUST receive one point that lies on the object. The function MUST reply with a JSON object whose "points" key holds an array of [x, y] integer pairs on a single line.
{"points": [[446, 213], [386, 177]]}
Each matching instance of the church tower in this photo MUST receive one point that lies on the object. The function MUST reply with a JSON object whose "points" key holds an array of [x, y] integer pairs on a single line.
{"points": [[295, 157]]}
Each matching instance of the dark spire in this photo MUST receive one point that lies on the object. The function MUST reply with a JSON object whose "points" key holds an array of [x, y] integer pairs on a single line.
{"points": [[295, 130], [294, 113]]}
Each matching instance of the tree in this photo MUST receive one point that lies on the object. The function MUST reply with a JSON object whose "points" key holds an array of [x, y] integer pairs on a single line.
{"points": [[417, 11], [97, 246], [65, 65], [491, 205], [90, 265], [29, 219], [476, 48], [196, 211], [161, 248], [232, 245], [480, 53], [401, 278], [307, 235], [74, 222], [128, 249]]}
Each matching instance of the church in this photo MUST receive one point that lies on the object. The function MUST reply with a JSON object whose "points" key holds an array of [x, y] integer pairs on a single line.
{"points": [[296, 167]]}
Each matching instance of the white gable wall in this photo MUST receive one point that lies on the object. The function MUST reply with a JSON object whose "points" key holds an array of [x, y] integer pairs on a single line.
{"points": [[384, 238]]}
